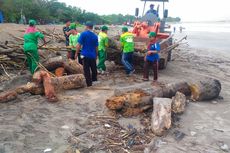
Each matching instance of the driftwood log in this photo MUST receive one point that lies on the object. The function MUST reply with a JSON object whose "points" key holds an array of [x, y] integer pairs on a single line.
{"points": [[130, 103], [122, 103], [205, 89], [37, 87], [161, 116]]}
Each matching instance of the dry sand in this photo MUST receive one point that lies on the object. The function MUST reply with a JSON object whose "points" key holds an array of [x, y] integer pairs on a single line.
{"points": [[31, 125]]}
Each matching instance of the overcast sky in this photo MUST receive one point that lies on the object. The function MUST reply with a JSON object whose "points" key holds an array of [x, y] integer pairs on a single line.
{"points": [[188, 10]]}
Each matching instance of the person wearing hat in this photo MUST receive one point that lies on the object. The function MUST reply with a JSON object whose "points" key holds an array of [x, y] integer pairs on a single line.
{"points": [[88, 43], [73, 39], [152, 58], [152, 10], [31, 37], [127, 46], [103, 41]]}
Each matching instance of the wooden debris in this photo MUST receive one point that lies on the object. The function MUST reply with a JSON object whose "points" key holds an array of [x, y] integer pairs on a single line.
{"points": [[53, 63], [169, 90], [67, 82], [59, 71], [73, 67], [44, 84], [205, 89], [8, 96], [178, 103], [161, 117]]}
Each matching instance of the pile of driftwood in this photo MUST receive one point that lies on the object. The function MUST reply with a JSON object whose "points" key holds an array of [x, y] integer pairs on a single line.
{"points": [[114, 52], [137, 101], [11, 56], [11, 52]]}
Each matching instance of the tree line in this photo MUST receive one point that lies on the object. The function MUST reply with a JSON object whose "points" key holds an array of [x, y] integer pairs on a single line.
{"points": [[52, 11]]}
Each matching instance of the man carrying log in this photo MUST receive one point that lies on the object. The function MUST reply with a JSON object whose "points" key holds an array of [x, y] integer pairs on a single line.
{"points": [[152, 57], [73, 39], [31, 45], [103, 43], [127, 45], [88, 42]]}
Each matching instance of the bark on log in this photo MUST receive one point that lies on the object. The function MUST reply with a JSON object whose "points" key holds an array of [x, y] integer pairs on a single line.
{"points": [[53, 63], [73, 67], [132, 99], [74, 81], [161, 117], [169, 90], [207, 89], [48, 87], [8, 96], [37, 88], [178, 103]]}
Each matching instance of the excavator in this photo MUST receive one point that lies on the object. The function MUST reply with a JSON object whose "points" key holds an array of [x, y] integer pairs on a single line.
{"points": [[150, 22]]}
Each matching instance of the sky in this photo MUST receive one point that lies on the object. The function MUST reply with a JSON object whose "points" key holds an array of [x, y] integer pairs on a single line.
{"points": [[187, 10]]}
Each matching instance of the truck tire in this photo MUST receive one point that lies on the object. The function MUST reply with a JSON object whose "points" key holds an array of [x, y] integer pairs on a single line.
{"points": [[162, 64], [169, 55]]}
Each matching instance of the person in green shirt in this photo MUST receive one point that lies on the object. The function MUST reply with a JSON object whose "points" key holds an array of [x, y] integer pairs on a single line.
{"points": [[73, 39], [127, 46], [31, 37], [103, 42]]}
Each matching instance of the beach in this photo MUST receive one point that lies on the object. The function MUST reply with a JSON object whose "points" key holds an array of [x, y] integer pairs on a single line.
{"points": [[79, 121]]}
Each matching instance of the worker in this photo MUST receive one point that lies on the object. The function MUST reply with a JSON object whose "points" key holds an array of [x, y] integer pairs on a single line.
{"points": [[127, 44], [31, 45], [152, 10], [88, 42], [152, 58], [66, 31], [73, 39], [103, 43]]}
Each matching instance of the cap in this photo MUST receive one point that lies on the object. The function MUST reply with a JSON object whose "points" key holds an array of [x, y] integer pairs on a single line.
{"points": [[32, 22], [124, 29], [89, 24], [73, 26], [104, 28], [152, 34]]}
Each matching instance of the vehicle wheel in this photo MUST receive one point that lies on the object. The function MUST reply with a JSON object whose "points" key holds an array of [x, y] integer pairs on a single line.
{"points": [[162, 64], [169, 55]]}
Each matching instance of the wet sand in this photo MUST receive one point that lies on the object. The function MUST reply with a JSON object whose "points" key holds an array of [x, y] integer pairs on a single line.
{"points": [[30, 124]]}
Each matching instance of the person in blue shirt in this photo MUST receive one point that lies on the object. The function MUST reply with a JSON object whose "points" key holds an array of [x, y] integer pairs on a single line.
{"points": [[152, 58], [88, 43], [152, 10]]}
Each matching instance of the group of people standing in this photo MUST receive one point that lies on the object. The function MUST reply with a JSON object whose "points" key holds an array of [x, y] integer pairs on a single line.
{"points": [[87, 47]]}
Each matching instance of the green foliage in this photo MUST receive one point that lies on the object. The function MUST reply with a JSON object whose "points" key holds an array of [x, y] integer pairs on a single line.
{"points": [[52, 11], [171, 19]]}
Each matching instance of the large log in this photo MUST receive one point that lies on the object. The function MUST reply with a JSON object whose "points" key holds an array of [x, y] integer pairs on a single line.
{"points": [[205, 89], [8, 96], [53, 63], [73, 67], [161, 116], [134, 99], [37, 88], [67, 82], [169, 90]]}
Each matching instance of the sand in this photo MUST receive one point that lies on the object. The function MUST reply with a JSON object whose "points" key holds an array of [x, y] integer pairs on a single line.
{"points": [[81, 121]]}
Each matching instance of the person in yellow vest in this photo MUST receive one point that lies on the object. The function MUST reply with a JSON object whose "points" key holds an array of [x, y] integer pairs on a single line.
{"points": [[127, 45], [73, 39], [103, 42]]}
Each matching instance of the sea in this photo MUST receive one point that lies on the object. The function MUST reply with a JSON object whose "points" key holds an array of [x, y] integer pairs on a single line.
{"points": [[205, 35]]}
